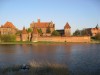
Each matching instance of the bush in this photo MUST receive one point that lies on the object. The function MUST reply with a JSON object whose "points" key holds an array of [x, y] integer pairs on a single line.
{"points": [[97, 37], [55, 33], [77, 33], [8, 38], [29, 30]]}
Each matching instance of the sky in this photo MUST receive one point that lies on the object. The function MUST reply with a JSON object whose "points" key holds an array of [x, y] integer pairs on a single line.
{"points": [[78, 13]]}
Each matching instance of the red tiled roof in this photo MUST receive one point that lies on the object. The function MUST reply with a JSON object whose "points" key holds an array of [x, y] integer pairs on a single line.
{"points": [[8, 25], [40, 24], [67, 25]]}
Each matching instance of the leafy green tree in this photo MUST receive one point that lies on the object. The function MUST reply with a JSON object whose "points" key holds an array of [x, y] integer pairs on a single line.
{"points": [[97, 37], [40, 32], [84, 32], [55, 33], [77, 33], [29, 30], [8, 38]]}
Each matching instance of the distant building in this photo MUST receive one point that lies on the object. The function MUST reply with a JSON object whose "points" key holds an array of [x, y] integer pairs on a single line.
{"points": [[93, 31], [8, 28], [66, 31], [43, 26]]}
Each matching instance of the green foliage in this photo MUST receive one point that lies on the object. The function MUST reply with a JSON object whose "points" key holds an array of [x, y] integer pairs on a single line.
{"points": [[29, 30], [77, 33], [97, 37], [48, 30], [8, 38], [82, 32], [55, 33], [40, 32], [18, 33]]}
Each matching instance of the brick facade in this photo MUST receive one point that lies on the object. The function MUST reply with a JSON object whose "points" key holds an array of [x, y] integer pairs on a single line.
{"points": [[65, 39], [67, 30], [43, 26], [8, 28]]}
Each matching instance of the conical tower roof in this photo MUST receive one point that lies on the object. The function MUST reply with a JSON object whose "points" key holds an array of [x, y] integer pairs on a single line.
{"points": [[67, 25], [24, 31]]}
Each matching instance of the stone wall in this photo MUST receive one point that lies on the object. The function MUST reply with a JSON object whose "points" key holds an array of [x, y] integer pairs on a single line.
{"points": [[65, 39]]}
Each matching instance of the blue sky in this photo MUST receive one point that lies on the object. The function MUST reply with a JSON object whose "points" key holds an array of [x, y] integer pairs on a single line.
{"points": [[78, 13]]}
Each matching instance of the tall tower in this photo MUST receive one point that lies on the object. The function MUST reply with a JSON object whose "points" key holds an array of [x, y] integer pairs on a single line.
{"points": [[24, 35], [34, 35], [67, 29]]}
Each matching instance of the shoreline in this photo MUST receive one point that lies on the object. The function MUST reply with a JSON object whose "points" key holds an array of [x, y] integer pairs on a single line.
{"points": [[49, 42]]}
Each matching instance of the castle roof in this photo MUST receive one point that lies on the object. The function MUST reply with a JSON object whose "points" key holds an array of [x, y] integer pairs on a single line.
{"points": [[67, 25], [42, 24], [8, 25], [24, 31]]}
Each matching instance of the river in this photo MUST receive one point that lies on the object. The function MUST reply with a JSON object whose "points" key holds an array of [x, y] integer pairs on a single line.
{"points": [[80, 58]]}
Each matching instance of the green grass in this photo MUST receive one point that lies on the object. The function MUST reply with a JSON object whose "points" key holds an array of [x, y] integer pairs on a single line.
{"points": [[46, 42], [28, 42], [95, 41]]}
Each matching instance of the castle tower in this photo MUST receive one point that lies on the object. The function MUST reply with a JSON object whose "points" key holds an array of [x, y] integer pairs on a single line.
{"points": [[67, 30], [24, 35], [34, 35]]}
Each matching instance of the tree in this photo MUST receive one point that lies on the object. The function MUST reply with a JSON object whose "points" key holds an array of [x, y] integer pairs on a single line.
{"points": [[40, 32], [77, 33], [29, 30], [8, 38], [84, 32], [55, 33], [97, 36], [18, 33], [48, 30]]}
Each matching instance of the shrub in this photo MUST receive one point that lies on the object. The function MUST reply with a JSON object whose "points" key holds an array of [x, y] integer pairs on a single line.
{"points": [[55, 33], [8, 38], [29, 30]]}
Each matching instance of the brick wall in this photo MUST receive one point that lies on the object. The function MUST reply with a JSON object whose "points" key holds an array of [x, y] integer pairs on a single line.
{"points": [[65, 39]]}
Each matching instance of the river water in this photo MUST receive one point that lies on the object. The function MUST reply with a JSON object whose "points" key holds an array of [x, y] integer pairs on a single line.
{"points": [[79, 58]]}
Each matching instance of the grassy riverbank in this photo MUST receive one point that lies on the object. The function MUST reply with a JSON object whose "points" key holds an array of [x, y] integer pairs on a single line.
{"points": [[95, 41], [46, 42]]}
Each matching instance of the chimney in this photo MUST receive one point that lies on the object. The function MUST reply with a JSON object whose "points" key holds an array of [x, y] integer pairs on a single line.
{"points": [[38, 20]]}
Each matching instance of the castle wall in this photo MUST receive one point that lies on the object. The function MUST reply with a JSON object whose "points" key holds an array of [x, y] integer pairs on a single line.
{"points": [[65, 39], [18, 38]]}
